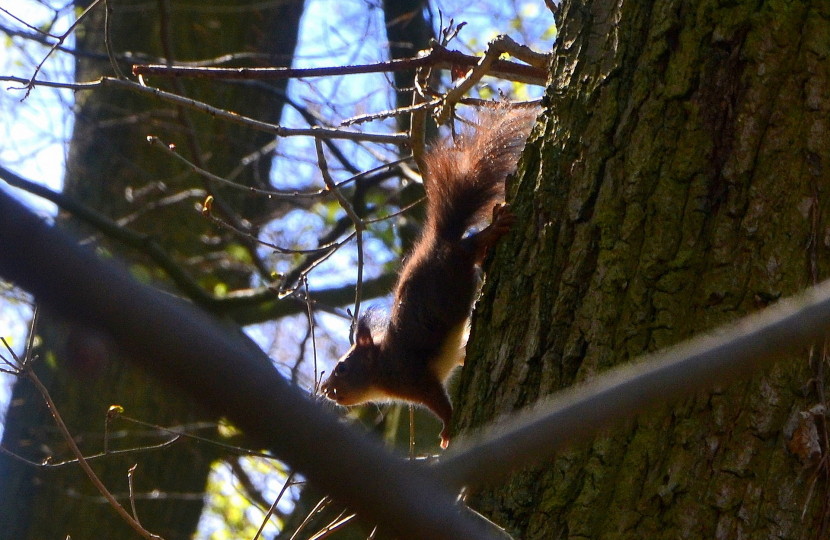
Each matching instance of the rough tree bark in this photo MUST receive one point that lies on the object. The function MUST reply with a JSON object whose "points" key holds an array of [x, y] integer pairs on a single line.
{"points": [[109, 154], [677, 180]]}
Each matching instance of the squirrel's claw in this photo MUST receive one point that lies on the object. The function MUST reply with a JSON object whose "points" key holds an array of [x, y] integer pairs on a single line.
{"points": [[445, 439]]}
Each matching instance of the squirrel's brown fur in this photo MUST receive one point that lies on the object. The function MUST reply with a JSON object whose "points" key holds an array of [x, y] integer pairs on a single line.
{"points": [[423, 342]]}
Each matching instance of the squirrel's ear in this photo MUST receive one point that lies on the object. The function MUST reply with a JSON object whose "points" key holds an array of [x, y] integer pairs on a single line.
{"points": [[363, 337]]}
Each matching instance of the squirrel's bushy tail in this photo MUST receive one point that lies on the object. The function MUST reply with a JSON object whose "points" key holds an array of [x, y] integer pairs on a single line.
{"points": [[465, 179]]}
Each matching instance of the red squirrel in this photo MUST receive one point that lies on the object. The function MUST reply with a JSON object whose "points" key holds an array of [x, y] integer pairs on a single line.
{"points": [[411, 358]]}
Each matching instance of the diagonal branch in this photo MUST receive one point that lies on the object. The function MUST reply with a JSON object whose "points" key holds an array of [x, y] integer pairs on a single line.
{"points": [[577, 414], [112, 229], [193, 352]]}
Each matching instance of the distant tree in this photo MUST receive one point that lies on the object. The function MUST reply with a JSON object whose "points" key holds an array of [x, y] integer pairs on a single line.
{"points": [[108, 158]]}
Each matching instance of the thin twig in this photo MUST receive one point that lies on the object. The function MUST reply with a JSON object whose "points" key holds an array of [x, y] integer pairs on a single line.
{"points": [[428, 105], [70, 441], [254, 306], [311, 118], [313, 338], [359, 227], [389, 113], [131, 491], [298, 359], [279, 194], [48, 464], [288, 483], [411, 432], [250, 491], [333, 527], [153, 205], [332, 187], [321, 505], [238, 449], [451, 32], [108, 40], [39, 38], [418, 119], [31, 82], [208, 213], [279, 131], [27, 25], [395, 214]]}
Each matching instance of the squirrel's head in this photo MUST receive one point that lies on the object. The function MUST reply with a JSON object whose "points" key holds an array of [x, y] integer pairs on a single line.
{"points": [[351, 381]]}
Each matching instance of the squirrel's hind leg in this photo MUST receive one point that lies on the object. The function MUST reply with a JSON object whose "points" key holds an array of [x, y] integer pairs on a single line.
{"points": [[433, 396]]}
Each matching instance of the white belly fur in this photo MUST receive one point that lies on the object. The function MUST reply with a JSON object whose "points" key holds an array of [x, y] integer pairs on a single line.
{"points": [[452, 353]]}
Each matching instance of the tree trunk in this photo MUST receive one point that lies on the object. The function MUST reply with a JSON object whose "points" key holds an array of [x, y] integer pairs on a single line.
{"points": [[677, 180], [109, 154]]}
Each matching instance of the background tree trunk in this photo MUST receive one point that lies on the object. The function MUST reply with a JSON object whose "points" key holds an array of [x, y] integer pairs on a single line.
{"points": [[677, 180], [108, 155], [408, 30]]}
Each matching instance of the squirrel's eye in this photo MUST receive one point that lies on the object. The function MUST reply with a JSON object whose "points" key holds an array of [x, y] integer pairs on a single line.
{"points": [[341, 368]]}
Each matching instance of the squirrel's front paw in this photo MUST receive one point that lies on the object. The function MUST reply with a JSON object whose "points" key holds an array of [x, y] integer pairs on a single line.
{"points": [[483, 240], [503, 218]]}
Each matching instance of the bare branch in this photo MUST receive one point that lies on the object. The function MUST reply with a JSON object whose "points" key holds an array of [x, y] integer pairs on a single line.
{"points": [[279, 131], [437, 57], [32, 81], [39, 33], [498, 45], [523, 52]]}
